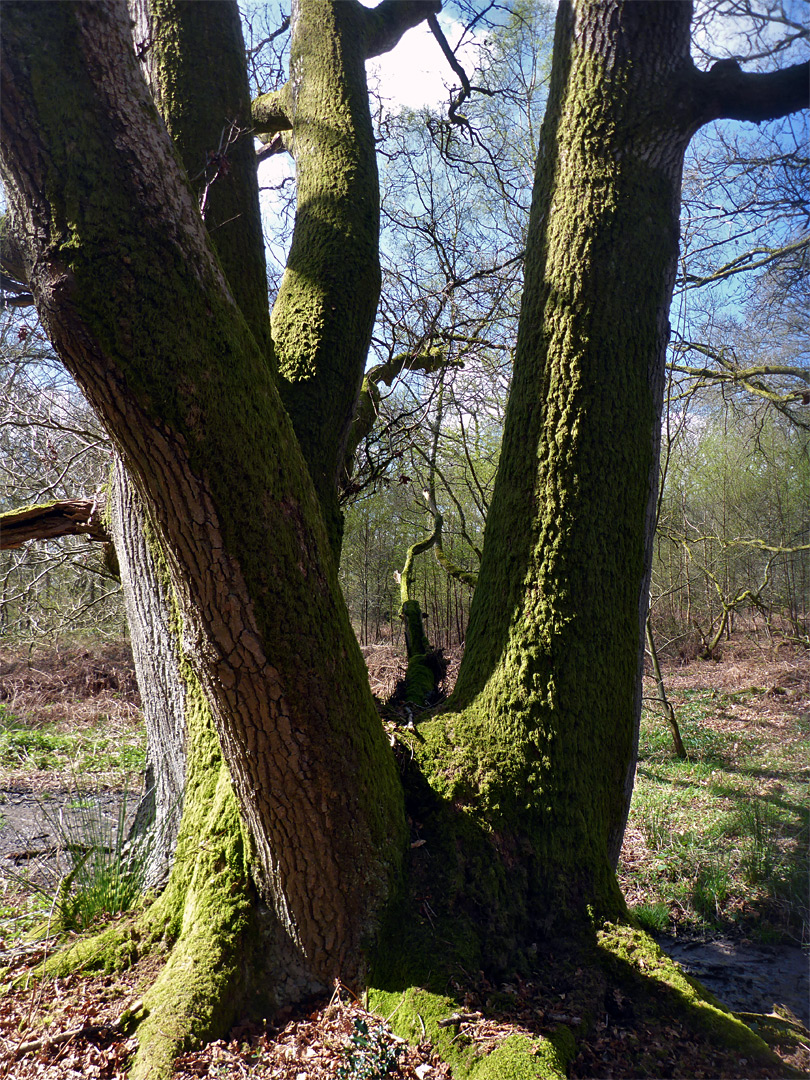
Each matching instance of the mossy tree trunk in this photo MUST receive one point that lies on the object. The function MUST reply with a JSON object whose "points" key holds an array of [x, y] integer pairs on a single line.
{"points": [[526, 774], [138, 307], [539, 740], [550, 681], [326, 305]]}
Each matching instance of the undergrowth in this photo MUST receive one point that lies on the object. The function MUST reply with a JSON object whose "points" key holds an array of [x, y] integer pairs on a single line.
{"points": [[725, 832], [97, 871], [36, 747]]}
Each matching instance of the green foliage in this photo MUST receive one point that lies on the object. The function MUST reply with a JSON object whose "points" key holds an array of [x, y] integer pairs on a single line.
{"points": [[759, 821], [86, 749], [22, 746], [654, 918], [711, 887], [100, 873], [371, 1054]]}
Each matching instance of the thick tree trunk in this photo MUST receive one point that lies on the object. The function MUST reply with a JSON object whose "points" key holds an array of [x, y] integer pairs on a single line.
{"points": [[139, 310], [523, 787], [325, 309], [322, 319], [193, 57], [539, 740]]}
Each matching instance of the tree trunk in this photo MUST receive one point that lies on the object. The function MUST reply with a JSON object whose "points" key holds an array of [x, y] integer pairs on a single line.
{"points": [[522, 783], [324, 313], [191, 404], [539, 740], [150, 610]]}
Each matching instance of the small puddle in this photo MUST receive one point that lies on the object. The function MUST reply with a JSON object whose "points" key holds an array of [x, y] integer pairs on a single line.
{"points": [[748, 978]]}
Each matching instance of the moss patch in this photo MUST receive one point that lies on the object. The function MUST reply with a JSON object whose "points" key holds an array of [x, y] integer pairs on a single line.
{"points": [[648, 976], [415, 1014]]}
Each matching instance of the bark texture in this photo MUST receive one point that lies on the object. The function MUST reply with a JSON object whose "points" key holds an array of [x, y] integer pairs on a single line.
{"points": [[140, 311], [521, 785], [154, 634], [539, 741], [324, 312], [180, 44], [68, 517]]}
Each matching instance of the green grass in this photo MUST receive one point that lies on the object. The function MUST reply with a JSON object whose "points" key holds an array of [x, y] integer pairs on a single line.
{"points": [[654, 918], [725, 832], [22, 910], [88, 749], [103, 874]]}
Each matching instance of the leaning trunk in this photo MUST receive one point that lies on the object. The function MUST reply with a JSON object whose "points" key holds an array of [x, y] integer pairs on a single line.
{"points": [[327, 301], [140, 311]]}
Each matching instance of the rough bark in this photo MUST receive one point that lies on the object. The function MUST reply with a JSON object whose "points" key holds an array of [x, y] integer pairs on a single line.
{"points": [[67, 517], [180, 44], [539, 742], [551, 675], [154, 635], [139, 310], [324, 312], [522, 789]]}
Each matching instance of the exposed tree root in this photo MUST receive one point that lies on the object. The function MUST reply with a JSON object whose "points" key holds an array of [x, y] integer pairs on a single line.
{"points": [[202, 916], [621, 970], [418, 1014]]}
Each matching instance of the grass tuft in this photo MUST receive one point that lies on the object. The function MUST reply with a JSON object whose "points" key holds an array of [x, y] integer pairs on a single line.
{"points": [[98, 873]]}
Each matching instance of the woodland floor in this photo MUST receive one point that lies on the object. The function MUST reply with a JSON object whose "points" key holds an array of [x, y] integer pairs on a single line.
{"points": [[714, 863]]}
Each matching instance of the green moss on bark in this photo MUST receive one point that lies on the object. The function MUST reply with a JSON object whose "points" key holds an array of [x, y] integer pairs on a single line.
{"points": [[632, 956], [324, 313], [209, 120], [199, 991], [152, 333], [538, 742]]}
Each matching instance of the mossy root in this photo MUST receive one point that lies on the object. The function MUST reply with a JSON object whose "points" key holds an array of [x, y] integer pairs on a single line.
{"points": [[198, 992], [415, 1015]]}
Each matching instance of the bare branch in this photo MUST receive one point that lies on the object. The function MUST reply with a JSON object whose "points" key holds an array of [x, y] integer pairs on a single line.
{"points": [[727, 92], [70, 517]]}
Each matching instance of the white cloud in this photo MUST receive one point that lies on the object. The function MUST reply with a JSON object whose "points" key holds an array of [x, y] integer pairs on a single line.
{"points": [[416, 74]]}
